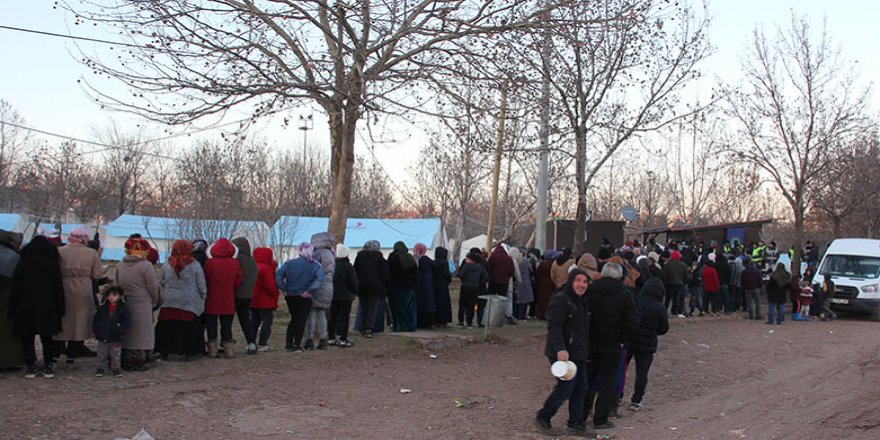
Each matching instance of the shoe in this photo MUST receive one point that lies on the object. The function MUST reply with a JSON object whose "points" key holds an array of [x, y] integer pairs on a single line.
{"points": [[322, 344], [99, 372], [511, 321], [634, 406], [294, 349], [679, 316], [309, 345], [334, 341], [212, 349], [580, 431], [264, 348], [368, 334], [607, 425], [470, 327], [32, 372], [252, 348], [460, 325], [117, 372], [48, 371], [344, 343], [543, 426], [615, 412]]}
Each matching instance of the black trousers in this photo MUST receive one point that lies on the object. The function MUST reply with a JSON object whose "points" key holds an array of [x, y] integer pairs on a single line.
{"points": [[337, 323], [30, 351], [643, 365], [243, 311], [299, 308], [368, 312], [467, 299], [225, 327], [603, 374], [261, 323]]}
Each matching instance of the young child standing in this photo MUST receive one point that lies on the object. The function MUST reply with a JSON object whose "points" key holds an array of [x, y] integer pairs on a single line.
{"points": [[109, 325], [805, 299]]}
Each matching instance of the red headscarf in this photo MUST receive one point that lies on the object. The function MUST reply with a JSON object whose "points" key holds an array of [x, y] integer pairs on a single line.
{"points": [[180, 255], [137, 247]]}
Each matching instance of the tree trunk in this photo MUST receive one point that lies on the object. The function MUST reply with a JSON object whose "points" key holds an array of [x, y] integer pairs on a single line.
{"points": [[798, 239], [580, 230], [342, 170]]}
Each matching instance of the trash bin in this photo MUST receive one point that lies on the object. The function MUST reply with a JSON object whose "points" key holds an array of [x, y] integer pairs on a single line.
{"points": [[493, 316]]}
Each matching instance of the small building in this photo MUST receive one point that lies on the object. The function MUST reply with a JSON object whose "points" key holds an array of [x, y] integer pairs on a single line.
{"points": [[560, 234], [742, 232], [289, 231], [161, 232]]}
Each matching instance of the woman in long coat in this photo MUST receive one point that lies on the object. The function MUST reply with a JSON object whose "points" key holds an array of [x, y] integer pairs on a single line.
{"points": [[138, 278], [373, 281], [442, 277], [38, 301], [222, 275], [80, 265], [179, 330], [525, 295], [11, 355], [404, 275], [426, 307]]}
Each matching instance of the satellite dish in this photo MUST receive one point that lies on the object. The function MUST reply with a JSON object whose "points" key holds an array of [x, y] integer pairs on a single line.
{"points": [[629, 213]]}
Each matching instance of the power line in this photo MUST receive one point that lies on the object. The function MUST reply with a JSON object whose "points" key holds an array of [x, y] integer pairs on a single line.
{"points": [[73, 37]]}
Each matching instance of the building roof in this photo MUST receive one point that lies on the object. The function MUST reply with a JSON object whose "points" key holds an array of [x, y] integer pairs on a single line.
{"points": [[118, 254], [8, 222], [161, 228], [292, 230], [695, 228]]}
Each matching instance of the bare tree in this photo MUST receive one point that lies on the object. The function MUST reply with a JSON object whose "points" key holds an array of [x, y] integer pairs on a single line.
{"points": [[13, 141], [797, 108]]}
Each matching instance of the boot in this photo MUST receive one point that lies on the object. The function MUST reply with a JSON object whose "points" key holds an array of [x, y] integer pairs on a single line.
{"points": [[212, 349], [322, 344], [229, 349]]}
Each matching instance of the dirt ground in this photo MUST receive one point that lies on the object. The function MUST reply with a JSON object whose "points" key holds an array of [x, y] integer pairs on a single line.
{"points": [[713, 378]]}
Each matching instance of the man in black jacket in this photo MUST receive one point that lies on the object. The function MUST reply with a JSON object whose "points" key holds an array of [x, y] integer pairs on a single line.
{"points": [[653, 321], [614, 319], [568, 324]]}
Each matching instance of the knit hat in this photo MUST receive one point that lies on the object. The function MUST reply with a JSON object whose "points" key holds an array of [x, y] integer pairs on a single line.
{"points": [[342, 251]]}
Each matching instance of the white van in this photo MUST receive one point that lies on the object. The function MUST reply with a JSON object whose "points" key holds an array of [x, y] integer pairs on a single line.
{"points": [[854, 265]]}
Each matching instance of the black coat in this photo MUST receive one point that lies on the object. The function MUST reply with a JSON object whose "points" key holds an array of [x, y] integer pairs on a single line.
{"points": [[372, 274], [402, 278], [653, 320], [723, 269], [110, 328], [473, 275], [442, 277], [37, 302], [345, 281], [614, 316], [568, 324]]}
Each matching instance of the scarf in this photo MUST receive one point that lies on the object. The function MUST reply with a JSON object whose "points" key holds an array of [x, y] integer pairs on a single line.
{"points": [[180, 256], [402, 254], [372, 245], [79, 235], [137, 247], [306, 251]]}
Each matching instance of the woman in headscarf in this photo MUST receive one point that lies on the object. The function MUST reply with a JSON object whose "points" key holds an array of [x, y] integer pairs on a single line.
{"points": [[426, 307], [587, 262], [777, 288], [373, 281], [544, 282], [11, 355], [38, 302], [80, 265], [222, 276], [141, 285], [404, 276], [299, 278], [179, 330], [442, 277], [524, 292]]}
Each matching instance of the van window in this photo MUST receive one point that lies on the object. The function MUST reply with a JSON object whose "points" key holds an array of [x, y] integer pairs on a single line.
{"points": [[851, 266]]}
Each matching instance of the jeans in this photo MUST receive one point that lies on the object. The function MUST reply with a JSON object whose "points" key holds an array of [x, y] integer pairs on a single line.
{"points": [[725, 298], [109, 351], [696, 300], [466, 301], [779, 309], [317, 317], [643, 364], [261, 323], [225, 327], [603, 374], [753, 301], [298, 307], [367, 314], [243, 310], [712, 301], [337, 324], [574, 391]]}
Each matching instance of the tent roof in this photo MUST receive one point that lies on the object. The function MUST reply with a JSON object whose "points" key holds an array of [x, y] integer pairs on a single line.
{"points": [[172, 228], [8, 222], [292, 230]]}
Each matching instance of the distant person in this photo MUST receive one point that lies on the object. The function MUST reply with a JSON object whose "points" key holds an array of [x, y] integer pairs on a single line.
{"points": [[109, 325], [777, 287], [322, 298], [223, 275], [473, 276], [199, 251], [442, 276], [827, 293], [179, 327], [544, 283], [374, 281], [568, 338], [245, 290], [80, 265], [11, 354], [752, 281], [404, 275], [501, 271], [559, 268], [137, 277], [805, 301], [525, 293], [426, 306], [345, 288], [653, 322], [711, 289], [675, 277], [264, 300], [298, 278]]}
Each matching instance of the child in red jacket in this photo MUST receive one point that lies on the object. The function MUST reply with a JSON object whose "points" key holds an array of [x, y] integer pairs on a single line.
{"points": [[264, 300], [711, 288]]}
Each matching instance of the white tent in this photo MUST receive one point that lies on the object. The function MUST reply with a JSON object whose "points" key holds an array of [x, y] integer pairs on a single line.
{"points": [[474, 242]]}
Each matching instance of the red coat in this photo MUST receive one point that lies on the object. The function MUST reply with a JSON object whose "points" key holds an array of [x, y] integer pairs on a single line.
{"points": [[222, 275], [710, 280], [265, 292]]}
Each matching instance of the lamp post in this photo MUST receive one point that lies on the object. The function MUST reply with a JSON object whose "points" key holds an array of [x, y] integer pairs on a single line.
{"points": [[306, 123]]}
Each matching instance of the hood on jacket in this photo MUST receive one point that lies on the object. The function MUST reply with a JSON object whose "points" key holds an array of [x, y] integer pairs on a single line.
{"points": [[563, 257], [263, 255], [498, 251], [323, 240], [676, 255], [569, 283], [222, 248], [342, 251], [441, 254], [654, 289], [243, 245], [516, 255]]}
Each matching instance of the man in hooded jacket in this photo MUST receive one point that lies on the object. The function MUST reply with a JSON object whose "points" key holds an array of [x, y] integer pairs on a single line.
{"points": [[244, 291], [653, 321]]}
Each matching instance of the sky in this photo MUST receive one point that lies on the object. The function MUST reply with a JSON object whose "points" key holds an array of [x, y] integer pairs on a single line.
{"points": [[39, 74]]}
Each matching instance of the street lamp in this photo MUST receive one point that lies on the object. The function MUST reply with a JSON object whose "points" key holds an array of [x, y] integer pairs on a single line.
{"points": [[306, 123]]}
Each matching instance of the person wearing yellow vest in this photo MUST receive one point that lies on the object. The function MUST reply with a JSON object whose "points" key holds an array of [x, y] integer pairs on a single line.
{"points": [[758, 253]]}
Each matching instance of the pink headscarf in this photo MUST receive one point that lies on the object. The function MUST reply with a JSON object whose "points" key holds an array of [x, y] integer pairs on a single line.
{"points": [[305, 251], [419, 250], [79, 235]]}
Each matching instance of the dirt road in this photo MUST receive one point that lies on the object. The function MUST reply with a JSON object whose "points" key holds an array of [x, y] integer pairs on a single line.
{"points": [[713, 378]]}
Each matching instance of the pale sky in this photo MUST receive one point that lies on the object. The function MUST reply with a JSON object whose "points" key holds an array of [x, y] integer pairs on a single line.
{"points": [[39, 73]]}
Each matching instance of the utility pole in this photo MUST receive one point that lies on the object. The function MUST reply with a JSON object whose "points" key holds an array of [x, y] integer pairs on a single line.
{"points": [[306, 124], [496, 170], [543, 174]]}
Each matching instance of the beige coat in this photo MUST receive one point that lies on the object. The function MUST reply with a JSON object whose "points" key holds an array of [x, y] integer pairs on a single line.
{"points": [[559, 272], [79, 266], [138, 278]]}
